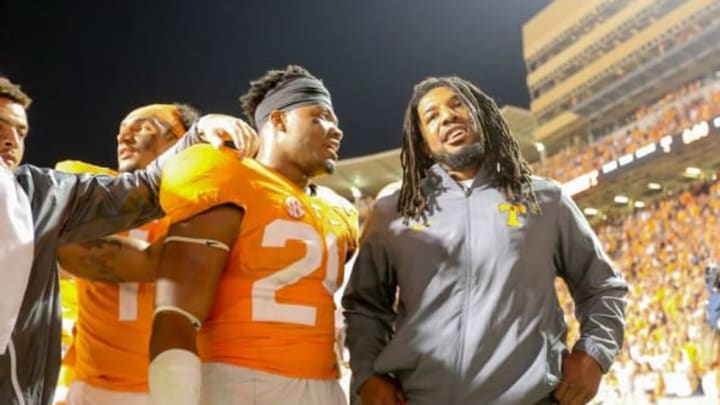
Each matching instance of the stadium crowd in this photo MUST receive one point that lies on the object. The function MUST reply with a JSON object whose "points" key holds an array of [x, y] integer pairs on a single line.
{"points": [[690, 104], [663, 251]]}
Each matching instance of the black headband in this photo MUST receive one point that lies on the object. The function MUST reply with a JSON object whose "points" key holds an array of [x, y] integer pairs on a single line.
{"points": [[290, 95]]}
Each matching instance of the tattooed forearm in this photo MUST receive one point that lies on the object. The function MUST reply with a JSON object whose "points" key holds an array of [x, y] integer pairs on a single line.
{"points": [[102, 244], [112, 259], [99, 256]]}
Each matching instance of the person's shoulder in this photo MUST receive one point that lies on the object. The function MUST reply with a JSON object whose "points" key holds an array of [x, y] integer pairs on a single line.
{"points": [[544, 184], [201, 177], [204, 157], [384, 212], [343, 208], [552, 196], [30, 172], [200, 161], [40, 182], [334, 200], [387, 204], [546, 190]]}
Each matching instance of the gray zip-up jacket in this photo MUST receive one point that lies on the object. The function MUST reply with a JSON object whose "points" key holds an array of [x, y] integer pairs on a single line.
{"points": [[66, 208], [477, 318]]}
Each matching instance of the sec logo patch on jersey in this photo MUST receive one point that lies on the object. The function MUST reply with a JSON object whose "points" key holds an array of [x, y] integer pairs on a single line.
{"points": [[294, 207]]}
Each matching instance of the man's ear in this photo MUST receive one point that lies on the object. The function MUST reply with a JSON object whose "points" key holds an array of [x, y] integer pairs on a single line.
{"points": [[278, 119]]}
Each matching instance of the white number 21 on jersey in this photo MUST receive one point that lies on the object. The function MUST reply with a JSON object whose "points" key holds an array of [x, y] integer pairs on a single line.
{"points": [[264, 304]]}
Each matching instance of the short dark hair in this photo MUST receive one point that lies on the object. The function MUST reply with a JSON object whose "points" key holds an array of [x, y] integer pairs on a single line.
{"points": [[12, 91], [260, 87]]}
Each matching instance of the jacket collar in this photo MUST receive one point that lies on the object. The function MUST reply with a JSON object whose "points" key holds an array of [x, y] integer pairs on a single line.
{"points": [[483, 177]]}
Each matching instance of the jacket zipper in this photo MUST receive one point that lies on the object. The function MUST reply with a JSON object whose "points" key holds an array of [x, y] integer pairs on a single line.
{"points": [[466, 293]]}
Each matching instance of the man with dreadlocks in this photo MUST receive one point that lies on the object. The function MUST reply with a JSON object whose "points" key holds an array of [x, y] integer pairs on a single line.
{"points": [[452, 296]]}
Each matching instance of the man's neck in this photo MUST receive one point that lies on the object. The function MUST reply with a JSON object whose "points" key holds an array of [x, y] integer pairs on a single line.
{"points": [[463, 174], [288, 170]]}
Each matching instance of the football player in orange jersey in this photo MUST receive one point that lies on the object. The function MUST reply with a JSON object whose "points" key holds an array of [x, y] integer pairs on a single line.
{"points": [[110, 348], [243, 308]]}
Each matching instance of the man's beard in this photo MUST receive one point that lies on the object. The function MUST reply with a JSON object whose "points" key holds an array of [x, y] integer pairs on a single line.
{"points": [[468, 156]]}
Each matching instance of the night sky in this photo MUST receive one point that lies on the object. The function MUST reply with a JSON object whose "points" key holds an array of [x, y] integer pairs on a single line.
{"points": [[87, 64]]}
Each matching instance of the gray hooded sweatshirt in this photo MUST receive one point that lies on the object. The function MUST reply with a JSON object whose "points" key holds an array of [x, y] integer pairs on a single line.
{"points": [[463, 309]]}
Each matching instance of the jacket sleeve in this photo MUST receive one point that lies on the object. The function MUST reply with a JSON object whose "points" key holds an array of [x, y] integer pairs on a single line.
{"points": [[99, 205], [596, 287], [368, 303], [16, 252]]}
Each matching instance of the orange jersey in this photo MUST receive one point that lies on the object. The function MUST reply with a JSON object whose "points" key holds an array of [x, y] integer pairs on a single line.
{"points": [[273, 310], [113, 327], [114, 321]]}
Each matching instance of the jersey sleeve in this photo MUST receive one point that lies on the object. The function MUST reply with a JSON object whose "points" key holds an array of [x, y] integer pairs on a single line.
{"points": [[352, 219], [203, 177], [345, 210]]}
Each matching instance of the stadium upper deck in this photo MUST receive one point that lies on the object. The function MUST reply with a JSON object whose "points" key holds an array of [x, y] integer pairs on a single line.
{"points": [[590, 63]]}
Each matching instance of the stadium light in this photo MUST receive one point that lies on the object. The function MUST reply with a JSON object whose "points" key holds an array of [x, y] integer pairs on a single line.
{"points": [[621, 200], [591, 212], [356, 193], [692, 172], [639, 204], [654, 186]]}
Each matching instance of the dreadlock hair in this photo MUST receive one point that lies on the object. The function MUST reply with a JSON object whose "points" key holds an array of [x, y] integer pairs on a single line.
{"points": [[12, 91], [502, 151], [260, 87], [188, 114]]}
